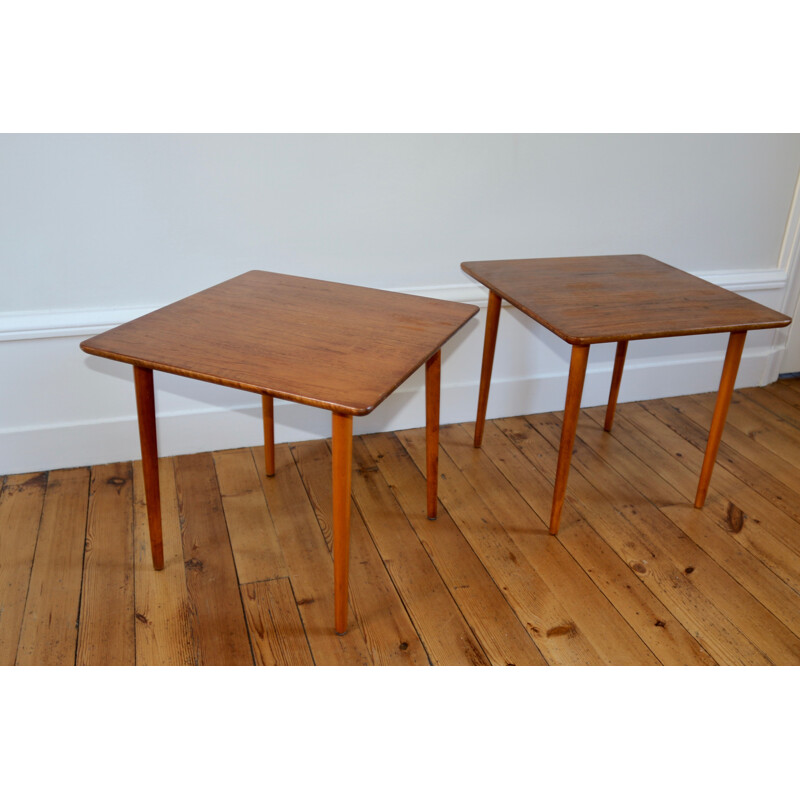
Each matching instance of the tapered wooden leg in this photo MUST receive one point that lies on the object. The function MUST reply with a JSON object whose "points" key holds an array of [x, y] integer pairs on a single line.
{"points": [[146, 409], [572, 406], [342, 447], [489, 342], [433, 373], [616, 379], [729, 369], [269, 435]]}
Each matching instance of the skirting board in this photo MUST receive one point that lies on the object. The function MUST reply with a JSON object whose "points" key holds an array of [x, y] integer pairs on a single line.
{"points": [[110, 440], [90, 418], [88, 322]]}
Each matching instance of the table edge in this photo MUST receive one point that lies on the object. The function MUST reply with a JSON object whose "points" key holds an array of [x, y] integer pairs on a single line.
{"points": [[339, 408]]}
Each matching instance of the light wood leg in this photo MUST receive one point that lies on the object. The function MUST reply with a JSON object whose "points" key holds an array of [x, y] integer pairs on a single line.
{"points": [[433, 373], [729, 369], [269, 434], [146, 409], [342, 447], [616, 379], [572, 406], [489, 342]]}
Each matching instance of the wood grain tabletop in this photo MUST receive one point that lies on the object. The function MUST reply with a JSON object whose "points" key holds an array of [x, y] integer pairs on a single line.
{"points": [[331, 345], [587, 300]]}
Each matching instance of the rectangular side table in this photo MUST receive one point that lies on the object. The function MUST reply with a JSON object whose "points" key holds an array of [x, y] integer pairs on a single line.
{"points": [[597, 299], [338, 347]]}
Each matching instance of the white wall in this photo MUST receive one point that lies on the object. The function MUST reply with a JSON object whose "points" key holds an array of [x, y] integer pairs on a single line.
{"points": [[789, 261], [96, 229], [791, 359]]}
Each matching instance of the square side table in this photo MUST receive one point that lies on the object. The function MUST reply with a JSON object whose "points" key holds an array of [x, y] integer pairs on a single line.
{"points": [[334, 346], [597, 299]]}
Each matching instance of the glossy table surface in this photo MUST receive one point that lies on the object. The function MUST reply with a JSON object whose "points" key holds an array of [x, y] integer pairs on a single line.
{"points": [[587, 300], [331, 345]]}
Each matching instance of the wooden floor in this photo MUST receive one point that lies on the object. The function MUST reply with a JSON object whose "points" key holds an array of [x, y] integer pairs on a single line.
{"points": [[636, 575]]}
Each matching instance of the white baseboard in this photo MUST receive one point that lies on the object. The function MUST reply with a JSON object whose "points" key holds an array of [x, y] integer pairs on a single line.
{"points": [[116, 439], [61, 408], [21, 326]]}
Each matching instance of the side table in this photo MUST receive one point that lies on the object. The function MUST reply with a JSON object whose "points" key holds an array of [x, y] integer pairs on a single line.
{"points": [[597, 299], [330, 345]]}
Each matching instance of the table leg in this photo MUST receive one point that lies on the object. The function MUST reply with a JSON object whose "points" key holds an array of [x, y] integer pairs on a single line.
{"points": [[433, 373], [342, 447], [146, 409], [269, 434], [572, 406], [729, 369], [489, 342], [616, 379]]}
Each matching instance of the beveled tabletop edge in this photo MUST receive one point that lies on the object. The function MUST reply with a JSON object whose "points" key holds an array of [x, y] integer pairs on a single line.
{"points": [[339, 408]]}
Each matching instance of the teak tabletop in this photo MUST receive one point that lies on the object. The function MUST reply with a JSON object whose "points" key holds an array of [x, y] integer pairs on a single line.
{"points": [[619, 298], [594, 299], [331, 345], [325, 344]]}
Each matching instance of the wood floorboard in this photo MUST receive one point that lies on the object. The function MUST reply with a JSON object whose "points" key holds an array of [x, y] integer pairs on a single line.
{"points": [[747, 554], [21, 502], [276, 629], [619, 517], [106, 624], [785, 390], [309, 563], [389, 633], [754, 465], [761, 425], [790, 383], [553, 628], [254, 543], [777, 399], [764, 631], [607, 631], [163, 617], [644, 612], [50, 628], [500, 633], [213, 587], [635, 576]]}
